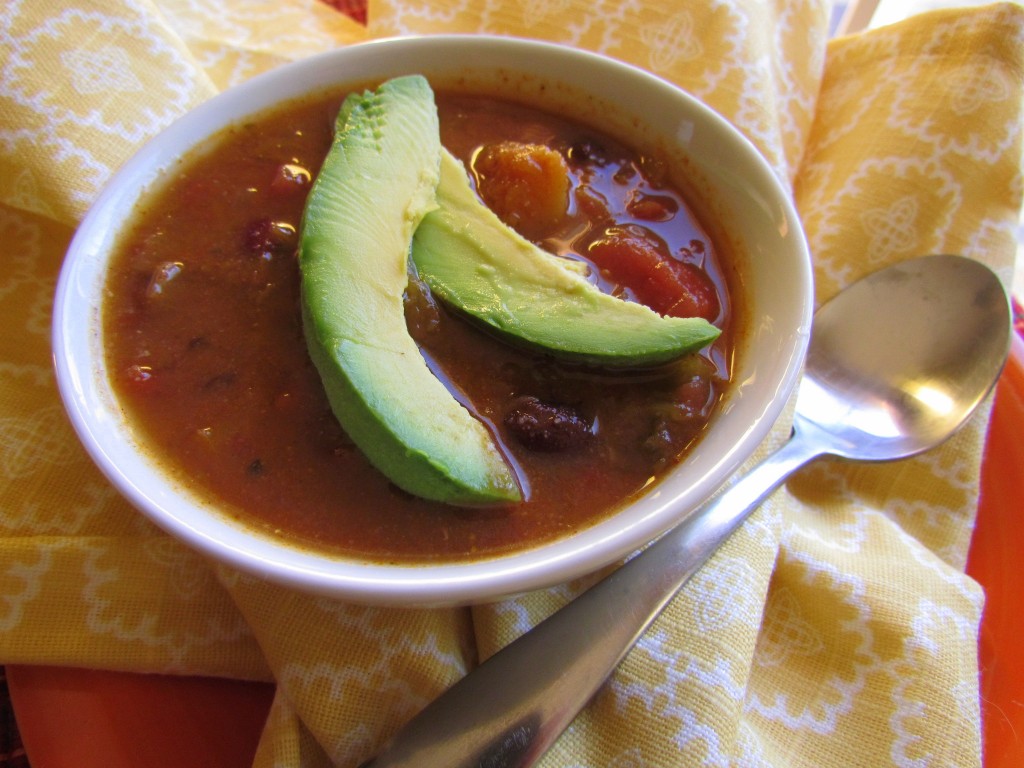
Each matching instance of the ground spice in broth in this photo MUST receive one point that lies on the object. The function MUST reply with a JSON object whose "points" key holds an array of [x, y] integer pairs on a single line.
{"points": [[205, 346]]}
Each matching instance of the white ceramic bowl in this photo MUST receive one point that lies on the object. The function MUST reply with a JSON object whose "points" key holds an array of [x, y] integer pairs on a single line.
{"points": [[774, 266]]}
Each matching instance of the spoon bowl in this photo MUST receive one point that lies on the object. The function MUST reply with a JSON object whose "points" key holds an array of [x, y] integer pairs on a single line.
{"points": [[899, 360], [897, 363]]}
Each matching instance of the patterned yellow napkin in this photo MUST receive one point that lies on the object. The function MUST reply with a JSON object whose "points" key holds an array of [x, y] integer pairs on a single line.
{"points": [[836, 628]]}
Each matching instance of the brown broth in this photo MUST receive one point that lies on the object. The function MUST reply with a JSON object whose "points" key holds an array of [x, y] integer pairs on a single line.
{"points": [[206, 351]]}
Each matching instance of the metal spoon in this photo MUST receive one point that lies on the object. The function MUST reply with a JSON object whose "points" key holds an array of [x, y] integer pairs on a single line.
{"points": [[897, 363]]}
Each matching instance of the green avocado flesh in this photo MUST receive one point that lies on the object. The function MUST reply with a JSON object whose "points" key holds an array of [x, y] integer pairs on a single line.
{"points": [[376, 184], [476, 263]]}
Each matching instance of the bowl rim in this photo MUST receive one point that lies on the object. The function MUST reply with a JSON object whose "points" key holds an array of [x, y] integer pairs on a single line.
{"points": [[94, 413]]}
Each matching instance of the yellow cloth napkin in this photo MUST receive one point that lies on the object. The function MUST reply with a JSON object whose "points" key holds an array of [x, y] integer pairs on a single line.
{"points": [[836, 628]]}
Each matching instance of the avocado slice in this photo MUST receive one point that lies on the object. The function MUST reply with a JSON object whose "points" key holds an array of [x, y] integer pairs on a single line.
{"points": [[377, 182], [476, 263]]}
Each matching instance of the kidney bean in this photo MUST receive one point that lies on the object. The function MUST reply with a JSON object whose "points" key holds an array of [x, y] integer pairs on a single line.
{"points": [[546, 427], [265, 238], [650, 207], [163, 274]]}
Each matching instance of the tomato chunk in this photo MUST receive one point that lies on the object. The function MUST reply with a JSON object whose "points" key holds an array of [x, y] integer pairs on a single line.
{"points": [[637, 259]]}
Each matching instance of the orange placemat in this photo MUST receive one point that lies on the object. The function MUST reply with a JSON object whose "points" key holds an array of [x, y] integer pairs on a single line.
{"points": [[995, 562]]}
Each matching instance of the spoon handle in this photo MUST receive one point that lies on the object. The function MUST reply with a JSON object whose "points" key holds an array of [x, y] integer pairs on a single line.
{"points": [[508, 711]]}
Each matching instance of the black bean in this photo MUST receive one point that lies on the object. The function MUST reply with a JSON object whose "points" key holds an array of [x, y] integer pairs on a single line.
{"points": [[587, 150], [546, 427]]}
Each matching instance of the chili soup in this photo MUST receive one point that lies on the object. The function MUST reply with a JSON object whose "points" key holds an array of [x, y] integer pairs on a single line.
{"points": [[205, 347]]}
